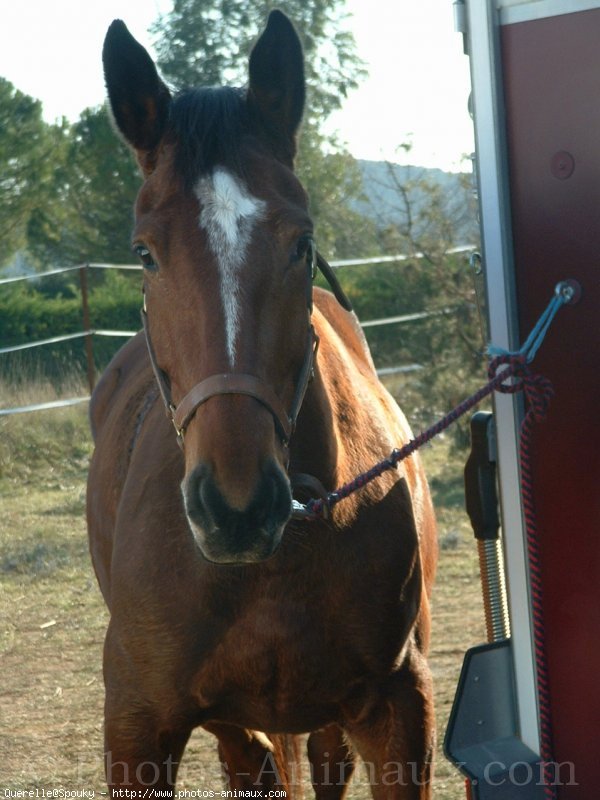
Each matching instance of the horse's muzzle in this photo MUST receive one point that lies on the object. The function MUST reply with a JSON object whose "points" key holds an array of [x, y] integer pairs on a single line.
{"points": [[227, 535]]}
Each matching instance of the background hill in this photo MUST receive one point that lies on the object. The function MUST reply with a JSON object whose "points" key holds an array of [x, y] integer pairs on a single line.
{"points": [[395, 194]]}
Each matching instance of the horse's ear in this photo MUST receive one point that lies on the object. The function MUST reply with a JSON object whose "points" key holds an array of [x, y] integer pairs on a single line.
{"points": [[138, 98], [277, 87]]}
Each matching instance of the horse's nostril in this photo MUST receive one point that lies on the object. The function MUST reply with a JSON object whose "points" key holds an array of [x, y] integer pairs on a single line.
{"points": [[192, 489], [224, 532], [276, 502]]}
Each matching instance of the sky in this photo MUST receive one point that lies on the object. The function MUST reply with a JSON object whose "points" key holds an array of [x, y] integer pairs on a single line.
{"points": [[416, 93]]}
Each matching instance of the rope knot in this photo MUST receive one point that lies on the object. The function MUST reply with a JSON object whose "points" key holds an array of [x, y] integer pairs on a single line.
{"points": [[515, 366], [538, 390]]}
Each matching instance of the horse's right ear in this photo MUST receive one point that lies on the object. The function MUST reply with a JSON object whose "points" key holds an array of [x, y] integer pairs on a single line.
{"points": [[138, 98]]}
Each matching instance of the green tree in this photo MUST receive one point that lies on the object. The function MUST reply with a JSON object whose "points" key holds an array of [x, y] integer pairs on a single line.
{"points": [[29, 150], [448, 341], [209, 42], [94, 187]]}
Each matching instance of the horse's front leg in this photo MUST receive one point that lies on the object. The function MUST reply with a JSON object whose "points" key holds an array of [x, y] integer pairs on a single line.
{"points": [[138, 755], [395, 735], [332, 763], [143, 737]]}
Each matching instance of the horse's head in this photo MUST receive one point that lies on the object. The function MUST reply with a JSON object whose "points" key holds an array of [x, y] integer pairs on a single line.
{"points": [[223, 232]]}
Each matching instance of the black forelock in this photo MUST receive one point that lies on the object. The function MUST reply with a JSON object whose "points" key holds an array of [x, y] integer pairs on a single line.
{"points": [[207, 126]]}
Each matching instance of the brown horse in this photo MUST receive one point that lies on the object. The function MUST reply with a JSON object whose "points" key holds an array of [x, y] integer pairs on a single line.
{"points": [[227, 612]]}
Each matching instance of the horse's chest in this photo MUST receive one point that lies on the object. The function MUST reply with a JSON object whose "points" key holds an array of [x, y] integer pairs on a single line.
{"points": [[273, 664]]}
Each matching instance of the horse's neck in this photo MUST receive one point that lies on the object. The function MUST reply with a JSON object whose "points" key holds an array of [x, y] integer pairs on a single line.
{"points": [[313, 449]]}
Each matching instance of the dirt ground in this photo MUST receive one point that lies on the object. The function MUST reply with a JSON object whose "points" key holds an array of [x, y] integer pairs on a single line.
{"points": [[52, 619]]}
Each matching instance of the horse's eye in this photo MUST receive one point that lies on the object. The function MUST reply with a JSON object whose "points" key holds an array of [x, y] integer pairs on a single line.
{"points": [[145, 257], [303, 248]]}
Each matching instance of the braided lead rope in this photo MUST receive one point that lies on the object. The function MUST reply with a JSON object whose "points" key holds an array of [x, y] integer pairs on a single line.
{"points": [[320, 507], [538, 395], [538, 392], [535, 572], [565, 292]]}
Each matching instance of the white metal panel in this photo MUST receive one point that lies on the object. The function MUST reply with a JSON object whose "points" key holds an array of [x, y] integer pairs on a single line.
{"points": [[497, 249], [512, 11]]}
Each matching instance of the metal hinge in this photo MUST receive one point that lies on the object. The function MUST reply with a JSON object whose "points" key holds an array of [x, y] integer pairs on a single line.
{"points": [[460, 22]]}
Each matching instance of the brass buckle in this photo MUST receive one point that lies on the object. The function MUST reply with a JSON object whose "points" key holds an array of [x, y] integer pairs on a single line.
{"points": [[179, 431]]}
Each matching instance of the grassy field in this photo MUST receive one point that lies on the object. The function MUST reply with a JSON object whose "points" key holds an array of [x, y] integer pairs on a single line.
{"points": [[52, 618]]}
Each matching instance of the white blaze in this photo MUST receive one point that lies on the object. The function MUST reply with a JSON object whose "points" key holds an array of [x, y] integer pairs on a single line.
{"points": [[228, 213]]}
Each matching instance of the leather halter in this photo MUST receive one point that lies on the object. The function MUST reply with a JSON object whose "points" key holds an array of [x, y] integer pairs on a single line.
{"points": [[239, 383]]}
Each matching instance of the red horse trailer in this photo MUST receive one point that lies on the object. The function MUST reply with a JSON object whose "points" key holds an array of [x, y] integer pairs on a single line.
{"points": [[535, 70]]}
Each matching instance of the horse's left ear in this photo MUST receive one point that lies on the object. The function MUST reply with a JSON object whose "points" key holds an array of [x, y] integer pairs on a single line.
{"points": [[139, 100], [277, 87]]}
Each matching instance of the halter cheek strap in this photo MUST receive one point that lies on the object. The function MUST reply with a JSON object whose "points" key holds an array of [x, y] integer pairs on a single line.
{"points": [[240, 383]]}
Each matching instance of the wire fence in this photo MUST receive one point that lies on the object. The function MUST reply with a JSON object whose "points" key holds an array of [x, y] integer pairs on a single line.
{"points": [[88, 333]]}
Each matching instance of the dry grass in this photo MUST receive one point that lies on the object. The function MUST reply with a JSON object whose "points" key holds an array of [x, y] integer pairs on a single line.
{"points": [[52, 618]]}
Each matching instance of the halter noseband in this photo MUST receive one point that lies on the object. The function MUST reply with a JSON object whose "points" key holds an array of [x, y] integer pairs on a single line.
{"points": [[240, 383]]}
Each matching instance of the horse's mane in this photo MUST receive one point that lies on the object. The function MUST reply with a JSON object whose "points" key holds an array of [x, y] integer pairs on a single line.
{"points": [[207, 126]]}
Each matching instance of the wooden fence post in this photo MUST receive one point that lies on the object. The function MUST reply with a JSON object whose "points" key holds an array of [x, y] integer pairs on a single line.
{"points": [[89, 351]]}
